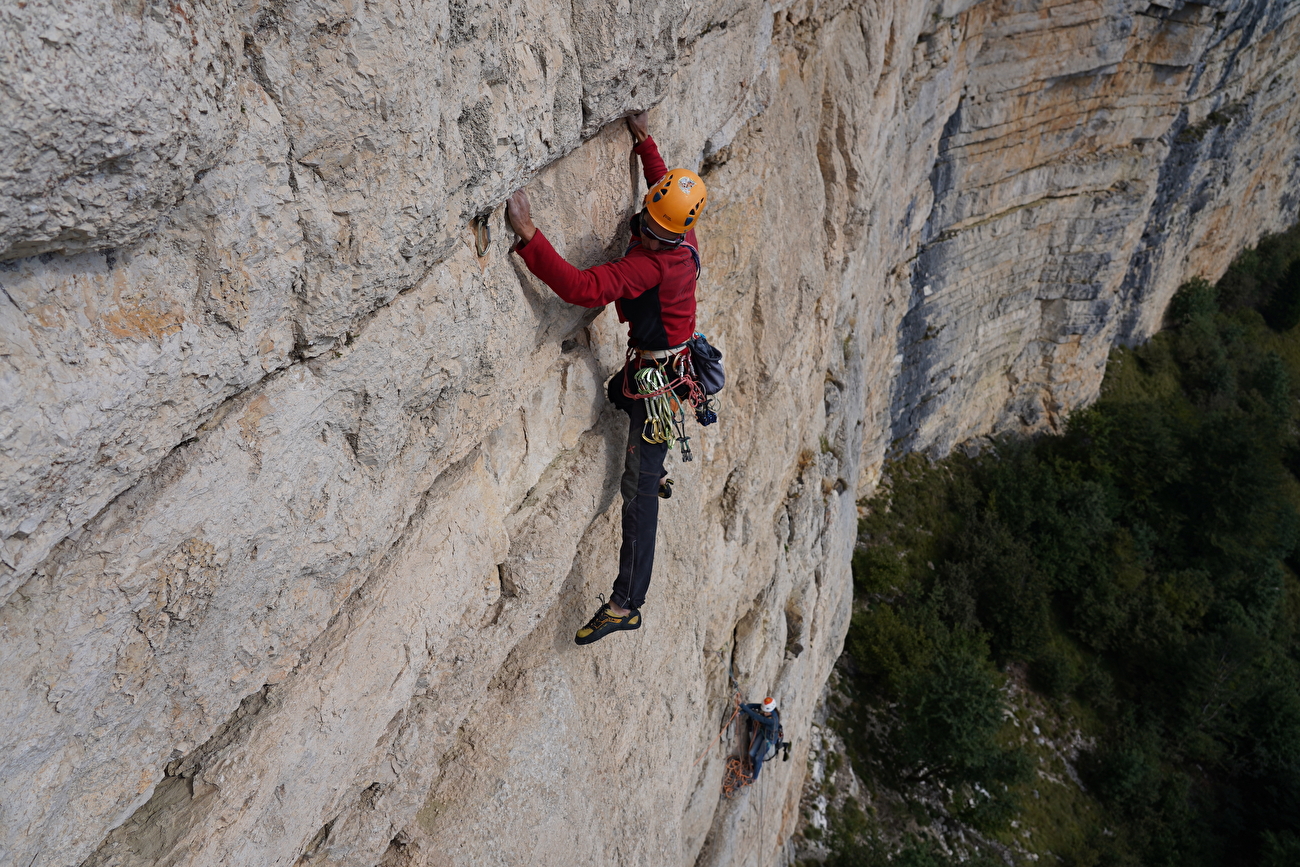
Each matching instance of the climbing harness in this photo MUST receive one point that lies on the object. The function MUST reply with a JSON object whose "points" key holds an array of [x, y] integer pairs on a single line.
{"points": [[665, 384], [668, 381]]}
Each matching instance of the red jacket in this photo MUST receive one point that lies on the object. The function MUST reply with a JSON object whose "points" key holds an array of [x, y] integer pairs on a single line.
{"points": [[654, 291]]}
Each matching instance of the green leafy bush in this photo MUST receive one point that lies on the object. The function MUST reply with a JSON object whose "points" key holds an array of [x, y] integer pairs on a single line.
{"points": [[1139, 568]]}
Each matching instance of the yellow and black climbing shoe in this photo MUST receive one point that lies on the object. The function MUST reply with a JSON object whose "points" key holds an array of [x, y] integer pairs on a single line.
{"points": [[604, 622], [665, 489]]}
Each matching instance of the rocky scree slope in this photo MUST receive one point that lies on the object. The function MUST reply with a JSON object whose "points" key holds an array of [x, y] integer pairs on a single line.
{"points": [[301, 500]]}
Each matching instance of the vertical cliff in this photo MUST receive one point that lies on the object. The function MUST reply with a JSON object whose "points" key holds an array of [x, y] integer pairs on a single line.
{"points": [[302, 500]]}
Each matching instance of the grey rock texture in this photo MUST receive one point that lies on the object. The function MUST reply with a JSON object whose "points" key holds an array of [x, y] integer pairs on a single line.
{"points": [[301, 500], [110, 110]]}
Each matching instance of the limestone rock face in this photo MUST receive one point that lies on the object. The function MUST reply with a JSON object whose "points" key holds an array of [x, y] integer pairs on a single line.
{"points": [[301, 499]]}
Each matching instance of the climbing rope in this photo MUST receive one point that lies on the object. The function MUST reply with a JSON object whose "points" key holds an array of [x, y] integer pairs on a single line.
{"points": [[762, 790], [725, 726], [736, 778]]}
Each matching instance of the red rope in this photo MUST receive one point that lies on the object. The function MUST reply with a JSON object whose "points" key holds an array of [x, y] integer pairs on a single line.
{"points": [[725, 725], [736, 778]]}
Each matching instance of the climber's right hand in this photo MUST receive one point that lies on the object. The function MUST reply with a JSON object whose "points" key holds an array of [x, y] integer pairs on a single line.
{"points": [[639, 126], [519, 213]]}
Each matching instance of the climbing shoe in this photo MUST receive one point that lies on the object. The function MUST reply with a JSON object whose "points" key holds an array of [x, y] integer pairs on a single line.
{"points": [[666, 489], [604, 622]]}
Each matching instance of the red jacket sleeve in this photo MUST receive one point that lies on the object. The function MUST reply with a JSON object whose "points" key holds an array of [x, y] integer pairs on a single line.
{"points": [[651, 163], [594, 287]]}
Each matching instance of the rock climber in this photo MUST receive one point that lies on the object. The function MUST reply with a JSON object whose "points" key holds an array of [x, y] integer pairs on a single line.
{"points": [[766, 735], [653, 289]]}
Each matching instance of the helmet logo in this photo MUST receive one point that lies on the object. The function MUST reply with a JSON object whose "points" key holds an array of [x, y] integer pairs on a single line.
{"points": [[686, 184]]}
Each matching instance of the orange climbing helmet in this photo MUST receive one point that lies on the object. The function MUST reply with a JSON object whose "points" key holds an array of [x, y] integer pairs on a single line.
{"points": [[677, 200]]}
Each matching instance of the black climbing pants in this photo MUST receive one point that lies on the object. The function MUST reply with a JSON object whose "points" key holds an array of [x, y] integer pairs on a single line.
{"points": [[643, 468], [758, 754]]}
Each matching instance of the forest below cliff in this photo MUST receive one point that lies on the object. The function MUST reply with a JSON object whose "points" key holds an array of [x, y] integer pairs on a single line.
{"points": [[1085, 648]]}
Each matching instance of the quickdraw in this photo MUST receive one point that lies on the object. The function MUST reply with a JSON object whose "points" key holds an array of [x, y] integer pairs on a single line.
{"points": [[662, 409], [661, 384]]}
